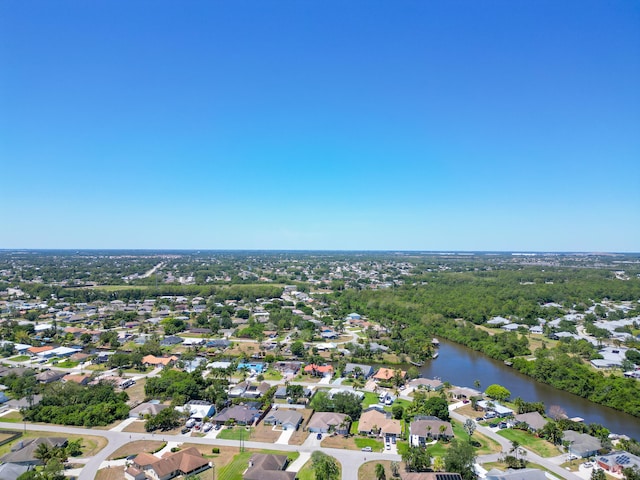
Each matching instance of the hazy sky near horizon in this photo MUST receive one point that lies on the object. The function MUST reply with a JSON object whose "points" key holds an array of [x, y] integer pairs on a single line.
{"points": [[417, 125]]}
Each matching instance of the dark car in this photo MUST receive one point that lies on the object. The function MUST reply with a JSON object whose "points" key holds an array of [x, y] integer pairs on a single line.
{"points": [[185, 430], [319, 436]]}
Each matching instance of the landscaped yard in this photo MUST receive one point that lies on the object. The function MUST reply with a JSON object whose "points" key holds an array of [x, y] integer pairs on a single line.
{"points": [[487, 445], [533, 443], [272, 375]]}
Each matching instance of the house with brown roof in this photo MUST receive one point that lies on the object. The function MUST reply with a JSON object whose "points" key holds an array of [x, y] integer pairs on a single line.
{"points": [[318, 370], [264, 466], [39, 350], [153, 361], [80, 379], [184, 462], [378, 423], [324, 422], [386, 374]]}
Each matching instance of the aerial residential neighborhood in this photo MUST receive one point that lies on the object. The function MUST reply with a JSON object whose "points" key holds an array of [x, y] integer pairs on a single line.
{"points": [[187, 386]]}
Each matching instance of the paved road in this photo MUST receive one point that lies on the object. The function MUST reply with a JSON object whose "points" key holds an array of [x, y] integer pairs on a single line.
{"points": [[547, 463], [351, 460]]}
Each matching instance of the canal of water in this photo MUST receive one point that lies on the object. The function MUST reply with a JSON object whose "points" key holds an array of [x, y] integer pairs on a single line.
{"points": [[461, 366]]}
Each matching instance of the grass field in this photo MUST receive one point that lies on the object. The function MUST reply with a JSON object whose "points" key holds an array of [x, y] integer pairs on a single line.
{"points": [[535, 444]]}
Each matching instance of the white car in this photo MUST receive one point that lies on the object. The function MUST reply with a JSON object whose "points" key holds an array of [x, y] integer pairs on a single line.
{"points": [[206, 427]]}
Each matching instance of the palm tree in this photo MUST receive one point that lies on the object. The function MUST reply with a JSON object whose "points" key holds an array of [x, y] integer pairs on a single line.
{"points": [[43, 453], [380, 473]]}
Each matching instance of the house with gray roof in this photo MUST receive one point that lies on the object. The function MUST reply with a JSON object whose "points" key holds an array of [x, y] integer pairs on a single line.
{"points": [[533, 419], [365, 370], [267, 466], [240, 414], [427, 428], [581, 444], [519, 474], [324, 422], [287, 419], [23, 452]]}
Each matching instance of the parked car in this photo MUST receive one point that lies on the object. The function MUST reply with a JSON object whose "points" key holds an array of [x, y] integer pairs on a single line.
{"points": [[367, 449], [217, 426], [388, 446], [206, 427], [319, 436], [185, 430], [190, 423]]}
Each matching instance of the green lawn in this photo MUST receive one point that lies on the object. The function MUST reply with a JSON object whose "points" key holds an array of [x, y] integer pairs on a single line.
{"points": [[272, 375], [235, 433], [67, 364], [362, 442], [20, 358], [535, 444], [13, 417], [307, 472], [240, 462], [354, 428], [369, 399]]}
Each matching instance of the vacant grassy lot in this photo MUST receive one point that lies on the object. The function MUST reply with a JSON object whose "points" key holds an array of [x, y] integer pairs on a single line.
{"points": [[20, 358], [307, 472], [13, 416], [265, 433], [367, 470], [236, 433], [533, 443], [136, 391], [113, 473], [352, 443], [132, 448]]}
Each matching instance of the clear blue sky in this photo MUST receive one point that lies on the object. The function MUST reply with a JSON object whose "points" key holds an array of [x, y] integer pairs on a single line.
{"points": [[315, 124]]}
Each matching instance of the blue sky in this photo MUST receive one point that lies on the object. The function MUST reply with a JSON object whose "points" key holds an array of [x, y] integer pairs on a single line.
{"points": [[439, 125]]}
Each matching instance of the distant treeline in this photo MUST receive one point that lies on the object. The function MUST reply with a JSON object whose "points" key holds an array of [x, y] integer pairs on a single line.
{"points": [[449, 304]]}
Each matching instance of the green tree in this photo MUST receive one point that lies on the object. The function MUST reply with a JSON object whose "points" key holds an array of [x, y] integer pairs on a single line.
{"points": [[395, 469], [469, 427], [297, 349], [380, 473], [498, 392], [460, 458], [598, 474], [324, 466], [416, 459]]}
